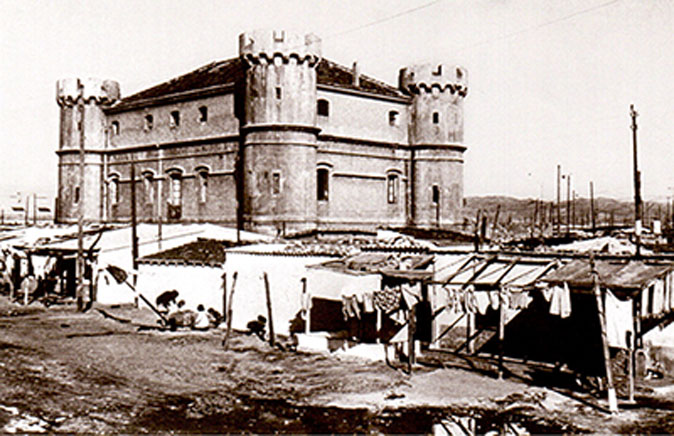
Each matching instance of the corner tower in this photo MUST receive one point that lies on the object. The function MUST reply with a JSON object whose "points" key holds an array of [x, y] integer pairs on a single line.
{"points": [[279, 130], [82, 125], [436, 138]]}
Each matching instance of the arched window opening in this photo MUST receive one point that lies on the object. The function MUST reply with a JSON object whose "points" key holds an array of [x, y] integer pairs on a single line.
{"points": [[76, 195], [203, 186], [322, 184], [276, 183], [113, 190], [148, 187], [149, 122], [115, 128], [174, 119], [392, 188], [436, 117], [436, 194], [323, 108], [175, 196]]}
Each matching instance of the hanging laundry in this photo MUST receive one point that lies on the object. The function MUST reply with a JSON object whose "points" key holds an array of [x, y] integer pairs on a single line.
{"points": [[619, 320], [350, 307], [520, 300], [469, 302], [494, 300], [504, 296], [658, 290], [560, 302], [547, 293], [482, 301], [387, 300], [368, 302]]}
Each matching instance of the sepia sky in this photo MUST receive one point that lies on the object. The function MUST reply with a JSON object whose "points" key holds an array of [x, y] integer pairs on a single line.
{"points": [[550, 82]]}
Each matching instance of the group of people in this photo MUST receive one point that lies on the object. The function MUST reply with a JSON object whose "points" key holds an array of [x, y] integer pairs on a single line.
{"points": [[176, 315], [22, 278]]}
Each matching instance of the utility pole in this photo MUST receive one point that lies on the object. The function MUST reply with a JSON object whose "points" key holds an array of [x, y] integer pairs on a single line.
{"points": [[568, 204], [594, 224], [573, 209], [559, 175], [637, 183], [134, 237], [79, 192]]}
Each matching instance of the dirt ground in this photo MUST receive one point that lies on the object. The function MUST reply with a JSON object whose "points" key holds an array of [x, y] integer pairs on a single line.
{"points": [[63, 371]]}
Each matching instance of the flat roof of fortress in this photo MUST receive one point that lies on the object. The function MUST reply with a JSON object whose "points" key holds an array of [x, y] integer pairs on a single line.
{"points": [[230, 71]]}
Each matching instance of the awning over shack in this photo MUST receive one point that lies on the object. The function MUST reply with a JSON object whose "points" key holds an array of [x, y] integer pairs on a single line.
{"points": [[631, 275]]}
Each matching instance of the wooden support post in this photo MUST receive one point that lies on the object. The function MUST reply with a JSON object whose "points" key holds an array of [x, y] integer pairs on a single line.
{"points": [[612, 399], [269, 311], [224, 294], [225, 340], [630, 367], [501, 332], [306, 300], [470, 332], [411, 327], [379, 319]]}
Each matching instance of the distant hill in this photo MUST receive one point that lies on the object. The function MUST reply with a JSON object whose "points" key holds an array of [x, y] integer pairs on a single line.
{"points": [[517, 214]]}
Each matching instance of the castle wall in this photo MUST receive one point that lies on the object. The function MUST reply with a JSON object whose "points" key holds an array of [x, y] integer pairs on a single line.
{"points": [[442, 168], [216, 159], [133, 130], [358, 187], [360, 117]]}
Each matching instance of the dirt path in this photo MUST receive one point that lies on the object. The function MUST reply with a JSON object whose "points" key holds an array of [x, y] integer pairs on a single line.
{"points": [[63, 371]]}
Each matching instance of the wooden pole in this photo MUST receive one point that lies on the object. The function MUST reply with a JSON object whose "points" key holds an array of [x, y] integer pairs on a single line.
{"points": [[134, 237], [225, 340], [501, 333], [592, 214], [630, 367], [307, 301], [411, 327], [379, 319], [470, 331], [269, 310], [224, 294], [79, 261], [612, 399], [637, 182], [559, 204]]}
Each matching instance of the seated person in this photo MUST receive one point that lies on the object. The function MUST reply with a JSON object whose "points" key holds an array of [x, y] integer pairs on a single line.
{"points": [[166, 300], [215, 317], [202, 321], [257, 327], [181, 317]]}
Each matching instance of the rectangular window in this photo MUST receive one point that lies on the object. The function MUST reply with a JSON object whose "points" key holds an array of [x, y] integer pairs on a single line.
{"points": [[203, 114], [77, 195], [322, 184], [115, 127], [113, 191], [436, 117], [393, 118], [278, 92], [276, 183], [392, 188], [436, 194]]}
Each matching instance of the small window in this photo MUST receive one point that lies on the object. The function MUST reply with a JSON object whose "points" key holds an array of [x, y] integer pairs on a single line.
{"points": [[148, 185], [392, 188], [323, 108], [203, 186], [393, 118], [322, 184], [174, 119], [203, 114], [279, 35], [278, 92], [459, 74], [436, 117], [149, 122], [275, 183], [77, 194], [436, 194], [113, 191], [115, 127], [438, 71]]}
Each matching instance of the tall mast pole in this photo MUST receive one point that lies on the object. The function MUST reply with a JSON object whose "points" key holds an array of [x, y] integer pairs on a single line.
{"points": [[637, 183], [79, 262], [559, 219]]}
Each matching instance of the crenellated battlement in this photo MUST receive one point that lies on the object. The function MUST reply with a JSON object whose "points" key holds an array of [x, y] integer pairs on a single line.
{"points": [[262, 46], [98, 91], [425, 77]]}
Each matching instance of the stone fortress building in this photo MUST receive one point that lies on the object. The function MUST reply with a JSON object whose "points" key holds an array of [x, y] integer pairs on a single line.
{"points": [[278, 139]]}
